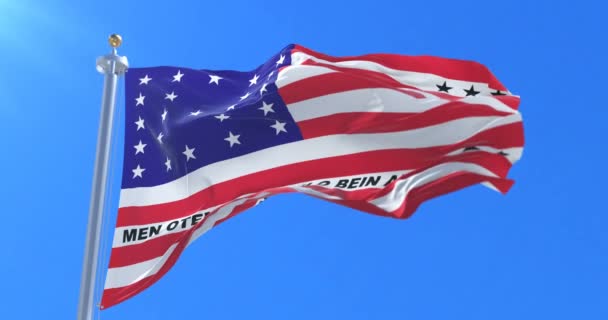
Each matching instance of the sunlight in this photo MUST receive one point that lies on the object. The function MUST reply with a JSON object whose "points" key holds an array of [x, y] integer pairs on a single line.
{"points": [[15, 18], [29, 33], [27, 24]]}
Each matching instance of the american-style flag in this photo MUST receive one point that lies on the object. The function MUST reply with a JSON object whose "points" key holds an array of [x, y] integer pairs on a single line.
{"points": [[380, 133]]}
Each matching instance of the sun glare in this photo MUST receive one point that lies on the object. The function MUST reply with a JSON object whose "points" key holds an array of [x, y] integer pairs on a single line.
{"points": [[30, 31], [13, 16], [26, 22]]}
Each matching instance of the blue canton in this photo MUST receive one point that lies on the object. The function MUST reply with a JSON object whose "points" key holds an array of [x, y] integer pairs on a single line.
{"points": [[178, 120]]}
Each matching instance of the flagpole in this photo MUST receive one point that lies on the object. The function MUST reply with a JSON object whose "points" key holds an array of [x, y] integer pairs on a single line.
{"points": [[112, 66]]}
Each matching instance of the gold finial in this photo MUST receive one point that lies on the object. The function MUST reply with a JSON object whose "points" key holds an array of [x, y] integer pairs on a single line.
{"points": [[115, 40]]}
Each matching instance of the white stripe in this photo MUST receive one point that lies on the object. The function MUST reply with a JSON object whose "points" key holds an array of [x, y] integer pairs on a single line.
{"points": [[219, 215], [315, 193], [423, 81], [295, 73], [394, 199], [490, 186], [310, 149], [513, 154], [124, 276], [388, 202], [128, 275], [332, 183], [384, 177], [162, 226], [378, 100]]}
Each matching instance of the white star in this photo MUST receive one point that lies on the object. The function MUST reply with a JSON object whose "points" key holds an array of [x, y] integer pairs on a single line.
{"points": [[281, 60], [139, 147], [263, 88], [178, 76], [144, 80], [270, 74], [189, 153], [137, 172], [215, 79], [140, 100], [231, 107], [279, 126], [164, 115], [140, 124], [254, 80], [233, 139], [222, 117], [245, 96], [168, 164], [196, 113], [160, 137], [266, 107], [171, 96]]}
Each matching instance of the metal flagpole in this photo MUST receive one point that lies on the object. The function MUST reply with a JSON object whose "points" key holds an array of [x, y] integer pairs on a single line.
{"points": [[112, 66]]}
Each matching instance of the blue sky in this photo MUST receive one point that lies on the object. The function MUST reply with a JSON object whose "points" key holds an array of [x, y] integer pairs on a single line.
{"points": [[539, 252]]}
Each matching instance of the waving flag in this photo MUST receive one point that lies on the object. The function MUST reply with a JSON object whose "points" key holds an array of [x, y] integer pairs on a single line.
{"points": [[380, 133]]}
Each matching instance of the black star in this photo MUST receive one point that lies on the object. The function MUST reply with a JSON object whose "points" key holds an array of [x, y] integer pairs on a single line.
{"points": [[502, 153], [470, 148], [498, 93], [471, 92], [444, 87]]}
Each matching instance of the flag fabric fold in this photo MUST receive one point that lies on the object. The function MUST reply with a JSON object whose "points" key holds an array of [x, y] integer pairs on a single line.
{"points": [[379, 133]]}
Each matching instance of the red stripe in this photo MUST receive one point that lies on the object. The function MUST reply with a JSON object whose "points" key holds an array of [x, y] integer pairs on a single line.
{"points": [[240, 209], [387, 160], [444, 67], [115, 296], [123, 256], [156, 247], [445, 185], [415, 198], [510, 101], [495, 163], [153, 248], [450, 183], [336, 82], [374, 161], [377, 122], [382, 78], [347, 79]]}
